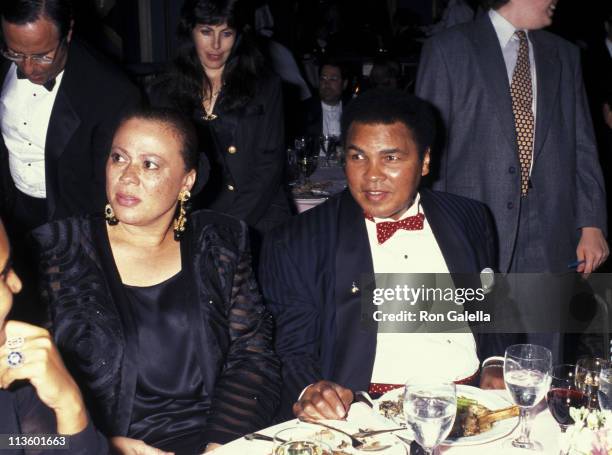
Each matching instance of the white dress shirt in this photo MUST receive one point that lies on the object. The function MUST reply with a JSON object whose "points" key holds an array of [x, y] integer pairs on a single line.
{"points": [[509, 43], [331, 118], [25, 110], [451, 356]]}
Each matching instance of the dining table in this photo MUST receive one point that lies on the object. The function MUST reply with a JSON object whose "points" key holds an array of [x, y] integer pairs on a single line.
{"points": [[328, 179], [544, 429]]}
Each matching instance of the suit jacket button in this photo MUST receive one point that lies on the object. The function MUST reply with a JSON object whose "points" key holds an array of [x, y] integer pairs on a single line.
{"points": [[232, 149], [510, 205], [230, 187], [511, 170]]}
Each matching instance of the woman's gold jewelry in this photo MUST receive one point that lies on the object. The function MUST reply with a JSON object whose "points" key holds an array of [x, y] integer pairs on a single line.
{"points": [[181, 220], [208, 113], [109, 215]]}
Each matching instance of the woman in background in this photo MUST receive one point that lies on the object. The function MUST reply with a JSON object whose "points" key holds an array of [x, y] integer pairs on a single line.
{"points": [[156, 311], [219, 79]]}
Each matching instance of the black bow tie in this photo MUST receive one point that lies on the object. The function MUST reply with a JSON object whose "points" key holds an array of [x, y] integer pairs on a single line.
{"points": [[48, 85]]}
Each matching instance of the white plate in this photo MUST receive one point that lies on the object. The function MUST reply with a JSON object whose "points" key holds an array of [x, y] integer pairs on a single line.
{"points": [[336, 439], [486, 398]]}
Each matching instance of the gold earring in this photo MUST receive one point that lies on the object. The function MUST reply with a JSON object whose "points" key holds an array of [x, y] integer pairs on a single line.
{"points": [[109, 215], [181, 220]]}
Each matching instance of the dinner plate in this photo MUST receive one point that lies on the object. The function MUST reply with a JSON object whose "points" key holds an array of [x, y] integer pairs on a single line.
{"points": [[486, 398], [342, 444]]}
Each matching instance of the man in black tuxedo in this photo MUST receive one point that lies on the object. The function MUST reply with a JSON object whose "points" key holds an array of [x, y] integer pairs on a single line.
{"points": [[313, 268], [59, 105]]}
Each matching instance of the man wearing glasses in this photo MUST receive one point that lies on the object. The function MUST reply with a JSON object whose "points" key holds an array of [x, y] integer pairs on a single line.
{"points": [[58, 106]]}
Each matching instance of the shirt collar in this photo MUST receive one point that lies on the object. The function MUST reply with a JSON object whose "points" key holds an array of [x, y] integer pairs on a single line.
{"points": [[332, 108], [412, 210], [503, 28], [26, 82]]}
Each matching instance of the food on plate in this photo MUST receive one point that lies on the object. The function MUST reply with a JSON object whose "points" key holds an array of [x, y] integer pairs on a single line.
{"points": [[472, 418]]}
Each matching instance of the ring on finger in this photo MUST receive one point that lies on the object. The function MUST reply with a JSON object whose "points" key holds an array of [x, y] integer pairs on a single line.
{"points": [[15, 359], [15, 343]]}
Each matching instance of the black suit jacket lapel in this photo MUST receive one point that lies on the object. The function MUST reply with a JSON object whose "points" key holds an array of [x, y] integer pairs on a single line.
{"points": [[494, 74], [63, 123], [449, 234], [548, 75], [355, 345]]}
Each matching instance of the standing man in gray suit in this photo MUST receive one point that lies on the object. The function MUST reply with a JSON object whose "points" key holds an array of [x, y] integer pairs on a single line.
{"points": [[519, 136]]}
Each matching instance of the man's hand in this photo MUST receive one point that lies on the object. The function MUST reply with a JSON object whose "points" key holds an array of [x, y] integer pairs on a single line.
{"points": [[129, 446], [44, 368], [323, 400], [212, 446], [592, 248], [607, 114]]}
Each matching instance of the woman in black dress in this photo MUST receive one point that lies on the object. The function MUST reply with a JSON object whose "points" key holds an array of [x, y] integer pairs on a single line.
{"points": [[219, 79], [156, 310]]}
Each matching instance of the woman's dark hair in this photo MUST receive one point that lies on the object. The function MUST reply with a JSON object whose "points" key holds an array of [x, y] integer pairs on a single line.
{"points": [[188, 79], [22, 12], [387, 106]]}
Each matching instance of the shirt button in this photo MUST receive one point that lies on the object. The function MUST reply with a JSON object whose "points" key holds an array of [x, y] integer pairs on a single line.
{"points": [[25, 123], [232, 149], [511, 170], [29, 164], [230, 187], [510, 205]]}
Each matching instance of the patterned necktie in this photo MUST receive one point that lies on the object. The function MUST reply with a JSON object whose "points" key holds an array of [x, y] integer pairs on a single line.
{"points": [[522, 100], [385, 229]]}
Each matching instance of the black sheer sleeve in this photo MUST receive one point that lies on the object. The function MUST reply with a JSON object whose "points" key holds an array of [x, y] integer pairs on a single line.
{"points": [[247, 390]]}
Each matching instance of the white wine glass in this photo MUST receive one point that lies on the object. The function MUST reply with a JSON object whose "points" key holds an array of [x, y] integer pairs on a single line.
{"points": [[430, 408], [527, 374]]}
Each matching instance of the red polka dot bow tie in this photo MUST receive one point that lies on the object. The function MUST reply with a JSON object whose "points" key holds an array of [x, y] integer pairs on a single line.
{"points": [[385, 229]]}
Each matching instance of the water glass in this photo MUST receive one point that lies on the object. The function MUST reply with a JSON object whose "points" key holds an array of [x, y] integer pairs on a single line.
{"points": [[430, 408], [527, 374]]}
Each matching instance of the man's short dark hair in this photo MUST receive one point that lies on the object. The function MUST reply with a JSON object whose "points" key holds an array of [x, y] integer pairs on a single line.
{"points": [[387, 106], [336, 64], [23, 12], [493, 4]]}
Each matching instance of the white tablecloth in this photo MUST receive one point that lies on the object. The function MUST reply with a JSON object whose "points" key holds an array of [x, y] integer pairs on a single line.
{"points": [[544, 429]]}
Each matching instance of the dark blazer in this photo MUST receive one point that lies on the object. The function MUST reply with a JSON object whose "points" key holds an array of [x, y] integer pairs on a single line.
{"points": [[462, 72], [91, 99], [230, 323], [24, 414], [249, 144], [310, 265]]}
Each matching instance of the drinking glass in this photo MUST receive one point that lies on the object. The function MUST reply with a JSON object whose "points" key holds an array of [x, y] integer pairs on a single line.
{"points": [[527, 370], [429, 409], [564, 394], [328, 145], [300, 441], [293, 171], [587, 377], [604, 392]]}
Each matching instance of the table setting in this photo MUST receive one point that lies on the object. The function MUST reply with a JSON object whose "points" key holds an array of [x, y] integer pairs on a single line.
{"points": [[561, 409], [315, 170]]}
